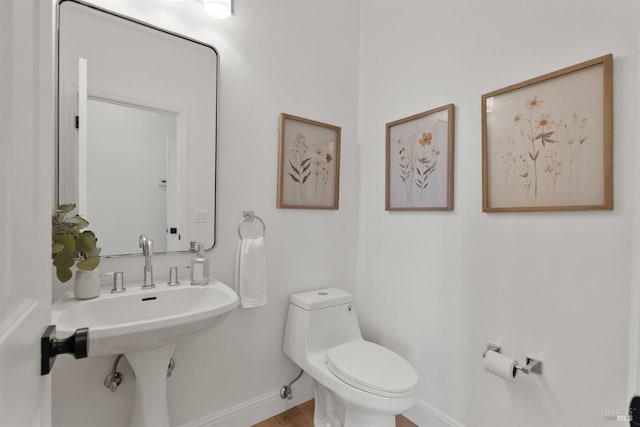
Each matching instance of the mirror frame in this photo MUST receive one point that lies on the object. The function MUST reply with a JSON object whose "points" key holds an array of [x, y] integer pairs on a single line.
{"points": [[57, 114]]}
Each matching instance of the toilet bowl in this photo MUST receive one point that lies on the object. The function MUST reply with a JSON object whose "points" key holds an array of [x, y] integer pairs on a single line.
{"points": [[357, 383]]}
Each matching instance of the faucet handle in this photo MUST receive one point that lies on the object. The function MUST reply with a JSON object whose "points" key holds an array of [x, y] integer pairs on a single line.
{"points": [[173, 277], [118, 281], [173, 274]]}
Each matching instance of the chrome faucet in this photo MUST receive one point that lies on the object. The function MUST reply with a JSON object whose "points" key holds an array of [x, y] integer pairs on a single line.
{"points": [[147, 250]]}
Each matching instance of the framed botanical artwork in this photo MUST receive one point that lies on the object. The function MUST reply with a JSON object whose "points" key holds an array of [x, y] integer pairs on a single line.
{"points": [[547, 143], [419, 169], [309, 164]]}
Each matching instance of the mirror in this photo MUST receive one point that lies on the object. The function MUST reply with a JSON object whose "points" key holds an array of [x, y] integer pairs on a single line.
{"points": [[136, 130]]}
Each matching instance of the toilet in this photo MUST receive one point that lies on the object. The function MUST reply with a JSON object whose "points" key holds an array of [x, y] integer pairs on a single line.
{"points": [[356, 383]]}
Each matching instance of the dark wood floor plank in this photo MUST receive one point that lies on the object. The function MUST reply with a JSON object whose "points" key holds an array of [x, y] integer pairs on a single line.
{"points": [[307, 408], [403, 422], [302, 416], [271, 422]]}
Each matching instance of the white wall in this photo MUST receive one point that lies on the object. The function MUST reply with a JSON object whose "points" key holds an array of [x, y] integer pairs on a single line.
{"points": [[433, 286], [437, 286], [298, 57]]}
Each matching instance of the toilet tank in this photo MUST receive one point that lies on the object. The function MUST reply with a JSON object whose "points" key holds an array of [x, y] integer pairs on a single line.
{"points": [[318, 320]]}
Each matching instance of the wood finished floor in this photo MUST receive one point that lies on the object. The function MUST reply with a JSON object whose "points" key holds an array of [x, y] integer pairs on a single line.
{"points": [[302, 416]]}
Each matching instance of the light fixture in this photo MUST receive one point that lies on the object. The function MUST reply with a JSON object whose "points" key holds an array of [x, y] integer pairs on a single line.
{"points": [[220, 9]]}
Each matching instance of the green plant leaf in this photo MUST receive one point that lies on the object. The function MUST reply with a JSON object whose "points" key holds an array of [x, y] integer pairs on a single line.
{"points": [[71, 244], [89, 264], [67, 240], [66, 208], [56, 247], [78, 222], [63, 274], [86, 241], [63, 260]]}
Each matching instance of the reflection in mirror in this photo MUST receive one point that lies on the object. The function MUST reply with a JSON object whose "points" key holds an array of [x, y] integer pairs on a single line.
{"points": [[137, 130], [149, 139]]}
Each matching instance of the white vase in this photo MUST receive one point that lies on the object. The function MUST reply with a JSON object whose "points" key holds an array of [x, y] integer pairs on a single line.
{"points": [[87, 284]]}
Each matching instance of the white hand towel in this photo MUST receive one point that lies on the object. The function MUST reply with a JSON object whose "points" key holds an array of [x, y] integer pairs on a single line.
{"points": [[251, 273]]}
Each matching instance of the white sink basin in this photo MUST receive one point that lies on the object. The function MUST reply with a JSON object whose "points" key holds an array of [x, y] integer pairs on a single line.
{"points": [[143, 319], [145, 325]]}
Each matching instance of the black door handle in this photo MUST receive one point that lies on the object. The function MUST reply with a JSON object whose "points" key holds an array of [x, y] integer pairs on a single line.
{"points": [[50, 346]]}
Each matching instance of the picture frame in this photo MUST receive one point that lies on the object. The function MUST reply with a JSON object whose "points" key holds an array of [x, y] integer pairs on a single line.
{"points": [[420, 161], [308, 164], [547, 142]]}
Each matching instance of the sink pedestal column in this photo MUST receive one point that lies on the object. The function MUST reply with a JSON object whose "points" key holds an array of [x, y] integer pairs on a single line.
{"points": [[150, 407]]}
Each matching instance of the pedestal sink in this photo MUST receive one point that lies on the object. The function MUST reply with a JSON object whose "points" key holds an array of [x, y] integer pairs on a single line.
{"points": [[145, 325]]}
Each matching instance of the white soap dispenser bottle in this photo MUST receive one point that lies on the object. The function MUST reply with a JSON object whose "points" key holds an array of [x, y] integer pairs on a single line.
{"points": [[199, 266]]}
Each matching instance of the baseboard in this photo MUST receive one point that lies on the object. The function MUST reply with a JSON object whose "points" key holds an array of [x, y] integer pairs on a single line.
{"points": [[427, 415], [269, 404], [257, 409]]}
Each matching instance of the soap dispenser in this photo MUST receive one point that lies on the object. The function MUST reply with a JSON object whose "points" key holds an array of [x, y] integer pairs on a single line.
{"points": [[199, 265]]}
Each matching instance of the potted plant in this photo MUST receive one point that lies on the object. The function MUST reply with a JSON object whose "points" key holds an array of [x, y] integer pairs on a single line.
{"points": [[73, 245]]}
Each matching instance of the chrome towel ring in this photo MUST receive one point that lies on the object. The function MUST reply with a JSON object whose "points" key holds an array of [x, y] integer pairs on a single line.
{"points": [[249, 216]]}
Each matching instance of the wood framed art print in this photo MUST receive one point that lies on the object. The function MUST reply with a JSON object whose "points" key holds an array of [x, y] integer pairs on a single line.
{"points": [[419, 161], [547, 143], [309, 164]]}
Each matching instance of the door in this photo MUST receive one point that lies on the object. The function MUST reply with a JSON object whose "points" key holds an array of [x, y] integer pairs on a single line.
{"points": [[26, 193]]}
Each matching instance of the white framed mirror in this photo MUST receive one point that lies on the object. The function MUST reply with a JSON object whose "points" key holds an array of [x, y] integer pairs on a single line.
{"points": [[137, 109]]}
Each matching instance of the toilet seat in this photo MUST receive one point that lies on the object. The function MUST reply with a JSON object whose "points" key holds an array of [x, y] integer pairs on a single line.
{"points": [[372, 368]]}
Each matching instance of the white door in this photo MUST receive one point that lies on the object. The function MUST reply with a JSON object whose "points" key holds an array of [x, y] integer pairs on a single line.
{"points": [[26, 189]]}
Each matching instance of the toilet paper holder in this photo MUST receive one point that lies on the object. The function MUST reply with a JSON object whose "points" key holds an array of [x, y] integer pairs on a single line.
{"points": [[531, 365]]}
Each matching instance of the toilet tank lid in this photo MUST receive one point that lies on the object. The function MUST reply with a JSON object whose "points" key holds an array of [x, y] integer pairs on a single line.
{"points": [[321, 298]]}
